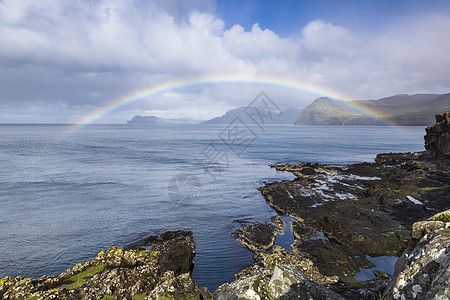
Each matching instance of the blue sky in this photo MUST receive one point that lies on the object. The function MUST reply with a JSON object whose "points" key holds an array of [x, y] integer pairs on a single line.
{"points": [[288, 17], [62, 60]]}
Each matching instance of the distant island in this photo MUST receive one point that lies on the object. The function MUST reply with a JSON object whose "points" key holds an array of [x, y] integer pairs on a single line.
{"points": [[400, 110], [152, 120]]}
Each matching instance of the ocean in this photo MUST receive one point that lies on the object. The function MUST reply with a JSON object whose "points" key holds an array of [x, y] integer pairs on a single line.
{"points": [[66, 195]]}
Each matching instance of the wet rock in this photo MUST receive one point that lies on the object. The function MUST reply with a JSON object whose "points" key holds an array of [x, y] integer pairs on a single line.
{"points": [[256, 237], [380, 274], [330, 260], [279, 222], [286, 282], [423, 271], [437, 139]]}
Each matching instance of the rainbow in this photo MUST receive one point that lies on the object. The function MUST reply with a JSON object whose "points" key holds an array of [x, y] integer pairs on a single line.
{"points": [[180, 84], [190, 82]]}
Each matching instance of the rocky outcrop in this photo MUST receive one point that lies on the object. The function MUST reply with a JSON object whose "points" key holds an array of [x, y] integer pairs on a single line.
{"points": [[159, 273], [437, 139], [423, 270], [285, 282], [256, 237]]}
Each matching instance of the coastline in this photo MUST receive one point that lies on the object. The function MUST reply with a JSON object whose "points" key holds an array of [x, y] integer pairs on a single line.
{"points": [[342, 214]]}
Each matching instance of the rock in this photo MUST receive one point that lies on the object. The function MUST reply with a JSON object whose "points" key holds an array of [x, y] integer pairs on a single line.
{"points": [[180, 287], [279, 222], [120, 274], [380, 274], [423, 271], [370, 289], [330, 260], [286, 282], [256, 237], [437, 139]]}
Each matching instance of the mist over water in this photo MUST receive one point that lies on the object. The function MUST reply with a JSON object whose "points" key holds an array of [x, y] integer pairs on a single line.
{"points": [[63, 199]]}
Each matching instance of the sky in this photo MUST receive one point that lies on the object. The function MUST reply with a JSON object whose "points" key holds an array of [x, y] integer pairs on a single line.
{"points": [[64, 61]]}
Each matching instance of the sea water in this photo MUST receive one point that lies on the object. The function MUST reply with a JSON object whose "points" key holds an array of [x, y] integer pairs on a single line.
{"points": [[67, 194]]}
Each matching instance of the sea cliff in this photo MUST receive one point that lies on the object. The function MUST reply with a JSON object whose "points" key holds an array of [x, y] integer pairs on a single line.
{"points": [[400, 110]]}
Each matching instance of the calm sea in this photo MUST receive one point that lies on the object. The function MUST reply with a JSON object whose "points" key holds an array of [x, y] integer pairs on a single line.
{"points": [[65, 197]]}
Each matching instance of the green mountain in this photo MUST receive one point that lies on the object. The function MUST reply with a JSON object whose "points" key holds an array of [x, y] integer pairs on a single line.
{"points": [[401, 110]]}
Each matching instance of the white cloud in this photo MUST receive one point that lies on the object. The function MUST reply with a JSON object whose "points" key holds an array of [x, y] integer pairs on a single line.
{"points": [[68, 57]]}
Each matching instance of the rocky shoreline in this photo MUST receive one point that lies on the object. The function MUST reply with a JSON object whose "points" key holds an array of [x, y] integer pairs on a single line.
{"points": [[344, 216]]}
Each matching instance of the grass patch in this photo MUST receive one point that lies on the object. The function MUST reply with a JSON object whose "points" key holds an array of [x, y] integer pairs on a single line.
{"points": [[108, 297], [140, 296], [397, 191], [80, 278], [32, 298], [435, 188]]}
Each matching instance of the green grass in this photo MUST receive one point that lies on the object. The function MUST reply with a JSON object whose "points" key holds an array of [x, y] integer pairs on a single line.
{"points": [[435, 188], [140, 296], [32, 298], [80, 278], [108, 297]]}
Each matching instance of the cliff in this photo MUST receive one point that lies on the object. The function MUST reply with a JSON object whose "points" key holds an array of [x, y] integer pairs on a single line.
{"points": [[401, 110], [437, 139]]}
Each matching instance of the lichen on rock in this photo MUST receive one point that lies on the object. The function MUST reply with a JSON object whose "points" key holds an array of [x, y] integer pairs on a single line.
{"points": [[423, 271]]}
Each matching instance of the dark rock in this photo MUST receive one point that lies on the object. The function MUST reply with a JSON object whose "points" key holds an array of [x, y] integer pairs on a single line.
{"points": [[330, 259], [437, 139], [256, 237], [279, 222], [370, 289], [380, 274]]}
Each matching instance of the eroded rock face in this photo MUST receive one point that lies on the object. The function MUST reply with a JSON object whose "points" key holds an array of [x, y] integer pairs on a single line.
{"points": [[423, 271], [159, 273], [437, 140]]}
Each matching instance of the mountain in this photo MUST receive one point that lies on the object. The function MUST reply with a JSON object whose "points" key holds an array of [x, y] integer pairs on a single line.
{"points": [[286, 117], [401, 110], [152, 120]]}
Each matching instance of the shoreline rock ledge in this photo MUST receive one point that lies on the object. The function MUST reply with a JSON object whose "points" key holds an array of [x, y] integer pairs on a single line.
{"points": [[397, 206]]}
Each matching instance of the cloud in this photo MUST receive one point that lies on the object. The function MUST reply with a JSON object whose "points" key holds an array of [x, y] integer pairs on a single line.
{"points": [[70, 57]]}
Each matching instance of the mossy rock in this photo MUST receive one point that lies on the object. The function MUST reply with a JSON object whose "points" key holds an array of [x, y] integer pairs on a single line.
{"points": [[442, 216], [80, 278], [140, 296]]}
